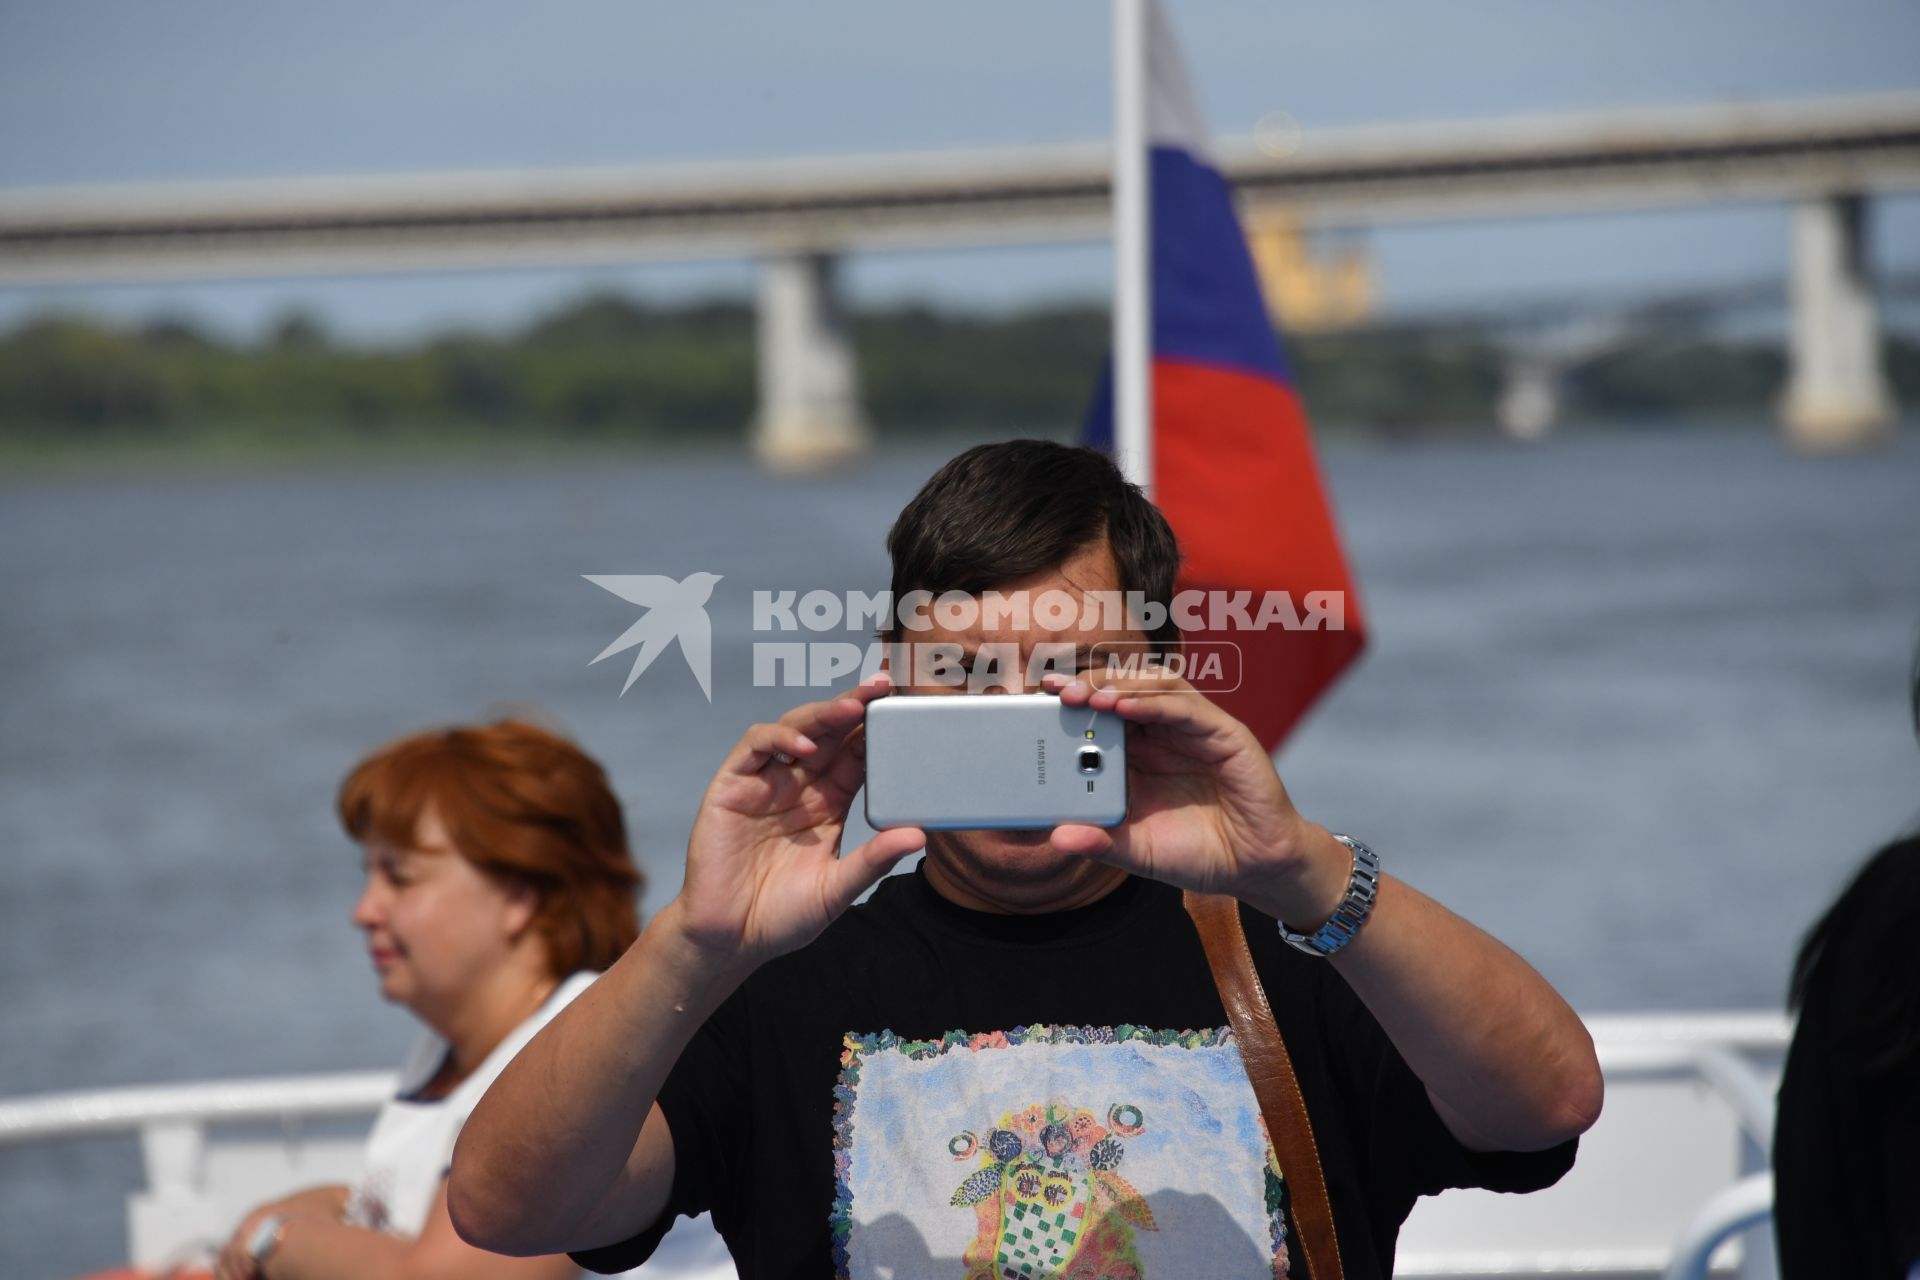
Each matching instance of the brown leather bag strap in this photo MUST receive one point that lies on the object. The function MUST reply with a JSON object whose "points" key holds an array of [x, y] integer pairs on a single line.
{"points": [[1270, 1070]]}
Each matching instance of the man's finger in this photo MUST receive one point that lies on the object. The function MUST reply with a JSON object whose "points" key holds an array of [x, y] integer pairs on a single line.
{"points": [[823, 719], [860, 869], [1112, 846], [1145, 699], [832, 736], [765, 744], [1170, 708], [827, 719], [847, 770]]}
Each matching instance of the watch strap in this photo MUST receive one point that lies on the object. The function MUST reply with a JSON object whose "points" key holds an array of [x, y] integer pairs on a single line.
{"points": [[1363, 886]]}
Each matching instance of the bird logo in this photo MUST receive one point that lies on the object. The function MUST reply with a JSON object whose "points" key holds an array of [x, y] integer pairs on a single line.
{"points": [[674, 611]]}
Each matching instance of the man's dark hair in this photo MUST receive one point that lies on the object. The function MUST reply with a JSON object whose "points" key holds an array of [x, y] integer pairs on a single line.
{"points": [[1001, 512]]}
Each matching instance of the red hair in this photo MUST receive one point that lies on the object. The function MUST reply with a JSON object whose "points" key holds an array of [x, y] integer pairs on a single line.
{"points": [[523, 805]]}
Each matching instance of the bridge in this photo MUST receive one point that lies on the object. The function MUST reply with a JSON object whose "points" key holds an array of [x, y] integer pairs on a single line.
{"points": [[798, 216], [1544, 339]]}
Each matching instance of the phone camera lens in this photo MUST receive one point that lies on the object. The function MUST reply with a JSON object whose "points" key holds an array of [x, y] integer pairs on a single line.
{"points": [[1089, 759]]}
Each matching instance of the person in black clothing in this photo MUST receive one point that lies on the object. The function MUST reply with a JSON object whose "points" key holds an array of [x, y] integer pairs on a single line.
{"points": [[1846, 1147], [1013, 1062]]}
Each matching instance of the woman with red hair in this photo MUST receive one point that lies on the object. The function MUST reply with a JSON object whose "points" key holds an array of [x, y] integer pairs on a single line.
{"points": [[499, 884]]}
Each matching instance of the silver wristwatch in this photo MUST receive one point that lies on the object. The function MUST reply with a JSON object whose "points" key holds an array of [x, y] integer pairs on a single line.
{"points": [[1362, 887], [266, 1238]]}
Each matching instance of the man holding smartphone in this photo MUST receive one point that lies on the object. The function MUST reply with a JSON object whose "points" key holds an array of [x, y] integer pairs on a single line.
{"points": [[1014, 1061]]}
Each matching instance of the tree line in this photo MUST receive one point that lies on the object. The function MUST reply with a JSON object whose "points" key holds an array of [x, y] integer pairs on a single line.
{"points": [[607, 366]]}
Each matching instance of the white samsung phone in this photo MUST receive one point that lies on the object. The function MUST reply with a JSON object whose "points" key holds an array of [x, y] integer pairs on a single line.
{"points": [[1017, 761]]}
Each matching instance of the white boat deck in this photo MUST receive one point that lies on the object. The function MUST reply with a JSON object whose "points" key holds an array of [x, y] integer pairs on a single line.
{"points": [[1677, 1160]]}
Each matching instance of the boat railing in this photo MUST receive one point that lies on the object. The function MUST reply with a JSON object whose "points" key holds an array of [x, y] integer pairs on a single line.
{"points": [[1741, 1207], [1674, 1170]]}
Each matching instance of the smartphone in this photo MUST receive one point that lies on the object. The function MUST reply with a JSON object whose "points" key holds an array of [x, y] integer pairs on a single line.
{"points": [[1017, 761]]}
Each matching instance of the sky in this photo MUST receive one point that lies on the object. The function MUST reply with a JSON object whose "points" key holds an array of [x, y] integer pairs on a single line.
{"points": [[131, 91]]}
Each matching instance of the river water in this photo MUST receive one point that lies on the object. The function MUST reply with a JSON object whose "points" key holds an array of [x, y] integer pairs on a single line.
{"points": [[1635, 702]]}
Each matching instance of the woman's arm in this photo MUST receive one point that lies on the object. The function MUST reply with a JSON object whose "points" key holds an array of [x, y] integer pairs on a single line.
{"points": [[321, 1248], [328, 1201]]}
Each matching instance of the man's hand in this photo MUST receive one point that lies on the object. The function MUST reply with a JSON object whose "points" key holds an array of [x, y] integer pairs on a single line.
{"points": [[1206, 809], [763, 872], [1508, 1065], [569, 1148]]}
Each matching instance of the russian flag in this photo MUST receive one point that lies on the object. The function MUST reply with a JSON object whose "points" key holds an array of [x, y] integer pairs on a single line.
{"points": [[1233, 462]]}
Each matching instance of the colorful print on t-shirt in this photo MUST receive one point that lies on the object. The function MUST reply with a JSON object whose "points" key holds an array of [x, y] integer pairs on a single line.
{"points": [[1084, 1153], [1049, 1194]]}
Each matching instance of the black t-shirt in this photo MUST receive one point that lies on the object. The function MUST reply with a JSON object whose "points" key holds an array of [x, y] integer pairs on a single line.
{"points": [[1846, 1147], [940, 1091]]}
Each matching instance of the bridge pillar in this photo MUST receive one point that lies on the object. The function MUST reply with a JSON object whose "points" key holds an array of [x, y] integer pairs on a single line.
{"points": [[1837, 393], [1529, 403], [809, 393]]}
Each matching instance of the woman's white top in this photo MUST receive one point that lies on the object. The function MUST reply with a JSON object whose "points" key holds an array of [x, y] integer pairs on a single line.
{"points": [[411, 1146]]}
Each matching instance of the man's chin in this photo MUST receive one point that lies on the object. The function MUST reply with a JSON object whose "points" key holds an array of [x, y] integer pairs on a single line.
{"points": [[1010, 855], [1013, 839]]}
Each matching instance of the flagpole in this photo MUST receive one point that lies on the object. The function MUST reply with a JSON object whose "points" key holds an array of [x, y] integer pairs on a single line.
{"points": [[1132, 231]]}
